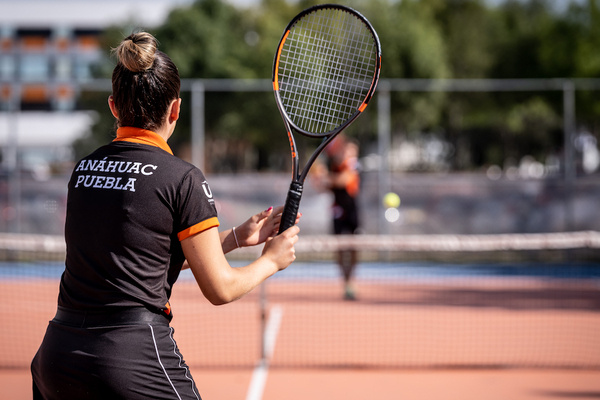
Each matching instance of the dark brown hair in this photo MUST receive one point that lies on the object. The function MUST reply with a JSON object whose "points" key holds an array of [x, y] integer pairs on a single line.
{"points": [[144, 82]]}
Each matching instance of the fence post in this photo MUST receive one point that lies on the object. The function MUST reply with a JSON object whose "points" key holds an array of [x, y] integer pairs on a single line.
{"points": [[569, 158], [11, 160], [198, 124], [383, 147]]}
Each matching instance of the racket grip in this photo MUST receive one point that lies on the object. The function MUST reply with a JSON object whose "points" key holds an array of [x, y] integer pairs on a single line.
{"points": [[292, 204]]}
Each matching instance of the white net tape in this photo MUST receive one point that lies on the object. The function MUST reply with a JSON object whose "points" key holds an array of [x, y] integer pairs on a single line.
{"points": [[407, 243]]}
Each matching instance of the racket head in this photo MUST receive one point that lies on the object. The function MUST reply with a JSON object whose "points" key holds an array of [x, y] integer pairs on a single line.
{"points": [[326, 69]]}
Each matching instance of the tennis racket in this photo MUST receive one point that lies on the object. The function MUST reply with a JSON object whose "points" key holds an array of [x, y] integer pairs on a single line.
{"points": [[325, 72]]}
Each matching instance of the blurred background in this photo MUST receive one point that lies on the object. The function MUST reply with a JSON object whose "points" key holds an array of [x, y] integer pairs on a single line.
{"points": [[486, 119], [479, 169]]}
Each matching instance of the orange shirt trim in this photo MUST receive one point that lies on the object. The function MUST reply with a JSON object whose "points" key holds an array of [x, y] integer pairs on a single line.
{"points": [[199, 227], [143, 136], [353, 185]]}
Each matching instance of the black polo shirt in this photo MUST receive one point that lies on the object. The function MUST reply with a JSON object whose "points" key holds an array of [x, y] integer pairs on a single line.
{"points": [[130, 203]]}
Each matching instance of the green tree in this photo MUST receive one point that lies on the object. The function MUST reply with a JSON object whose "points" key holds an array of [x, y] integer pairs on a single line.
{"points": [[524, 29], [583, 23], [412, 47], [468, 29], [419, 38]]}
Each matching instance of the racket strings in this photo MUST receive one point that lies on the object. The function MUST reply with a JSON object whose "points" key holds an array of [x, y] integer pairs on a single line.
{"points": [[326, 69], [337, 65]]}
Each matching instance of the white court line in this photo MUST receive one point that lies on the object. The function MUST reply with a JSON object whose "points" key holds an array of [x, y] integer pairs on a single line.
{"points": [[259, 376]]}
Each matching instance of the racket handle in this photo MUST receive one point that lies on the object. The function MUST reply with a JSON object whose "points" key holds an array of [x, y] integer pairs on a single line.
{"points": [[292, 204]]}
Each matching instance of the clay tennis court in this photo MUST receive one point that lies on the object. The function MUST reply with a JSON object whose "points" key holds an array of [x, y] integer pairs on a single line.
{"points": [[463, 339]]}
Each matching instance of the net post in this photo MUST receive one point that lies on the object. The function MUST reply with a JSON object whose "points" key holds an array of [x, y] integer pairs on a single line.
{"points": [[262, 303]]}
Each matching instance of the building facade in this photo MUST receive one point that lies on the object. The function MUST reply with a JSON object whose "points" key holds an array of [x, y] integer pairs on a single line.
{"points": [[40, 67]]}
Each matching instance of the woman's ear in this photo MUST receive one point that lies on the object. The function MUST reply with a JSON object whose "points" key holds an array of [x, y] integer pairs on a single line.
{"points": [[174, 110], [113, 108]]}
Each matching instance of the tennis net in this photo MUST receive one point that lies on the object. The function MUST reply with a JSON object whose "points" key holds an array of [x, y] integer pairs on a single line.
{"points": [[422, 301]]}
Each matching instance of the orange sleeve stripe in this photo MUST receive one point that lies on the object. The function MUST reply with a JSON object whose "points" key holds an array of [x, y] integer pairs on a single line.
{"points": [[199, 227]]}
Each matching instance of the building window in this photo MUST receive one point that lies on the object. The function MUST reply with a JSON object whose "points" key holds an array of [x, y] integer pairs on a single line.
{"points": [[34, 67], [7, 67]]}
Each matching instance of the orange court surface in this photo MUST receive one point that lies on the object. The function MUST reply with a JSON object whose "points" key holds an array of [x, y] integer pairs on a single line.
{"points": [[484, 340], [356, 384]]}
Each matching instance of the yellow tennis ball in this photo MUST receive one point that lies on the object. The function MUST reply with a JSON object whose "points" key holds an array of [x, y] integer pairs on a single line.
{"points": [[391, 200]]}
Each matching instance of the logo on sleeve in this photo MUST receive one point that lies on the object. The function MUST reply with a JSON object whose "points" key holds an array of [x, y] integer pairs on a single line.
{"points": [[207, 192]]}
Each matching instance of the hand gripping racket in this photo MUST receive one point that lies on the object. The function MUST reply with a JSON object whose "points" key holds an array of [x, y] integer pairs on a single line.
{"points": [[325, 72]]}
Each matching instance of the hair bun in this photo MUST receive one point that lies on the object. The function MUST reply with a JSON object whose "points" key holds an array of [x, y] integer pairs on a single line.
{"points": [[137, 51]]}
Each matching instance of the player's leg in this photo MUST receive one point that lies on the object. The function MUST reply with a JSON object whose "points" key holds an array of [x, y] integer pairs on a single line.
{"points": [[347, 262], [346, 258]]}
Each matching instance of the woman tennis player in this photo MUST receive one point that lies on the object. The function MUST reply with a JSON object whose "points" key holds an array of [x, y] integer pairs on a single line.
{"points": [[137, 215]]}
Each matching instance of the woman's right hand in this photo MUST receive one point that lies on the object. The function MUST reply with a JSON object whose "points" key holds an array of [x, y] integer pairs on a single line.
{"points": [[280, 249]]}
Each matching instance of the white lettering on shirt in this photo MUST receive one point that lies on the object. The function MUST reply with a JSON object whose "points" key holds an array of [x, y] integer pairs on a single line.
{"points": [[111, 166], [105, 182]]}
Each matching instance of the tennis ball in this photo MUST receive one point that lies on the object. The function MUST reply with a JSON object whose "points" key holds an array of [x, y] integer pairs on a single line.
{"points": [[391, 200]]}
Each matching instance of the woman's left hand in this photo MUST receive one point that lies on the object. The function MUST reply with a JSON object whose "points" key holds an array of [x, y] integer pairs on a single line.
{"points": [[258, 228]]}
